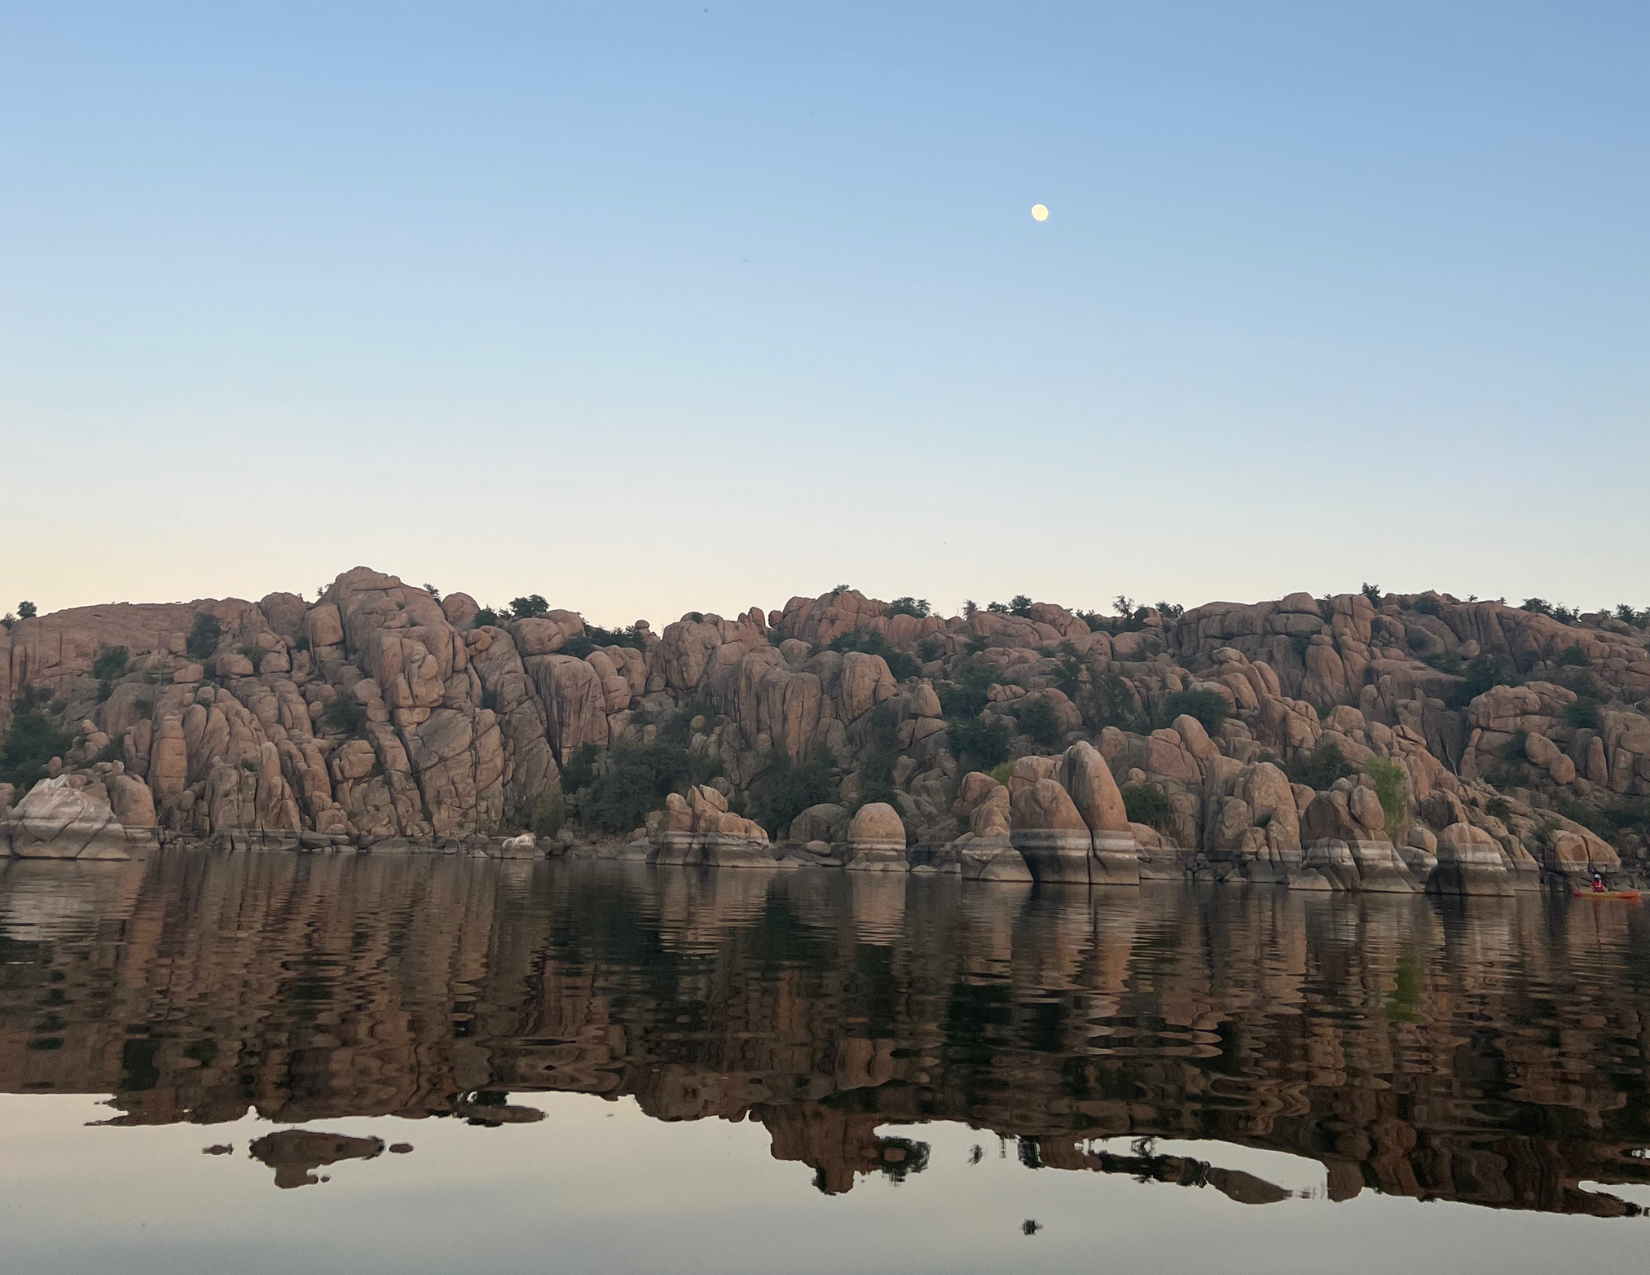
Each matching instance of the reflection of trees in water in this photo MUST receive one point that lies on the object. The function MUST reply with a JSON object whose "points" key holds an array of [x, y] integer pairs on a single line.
{"points": [[1489, 1052], [897, 1158]]}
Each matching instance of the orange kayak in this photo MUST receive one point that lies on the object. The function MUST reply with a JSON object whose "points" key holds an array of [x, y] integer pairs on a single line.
{"points": [[1631, 895]]}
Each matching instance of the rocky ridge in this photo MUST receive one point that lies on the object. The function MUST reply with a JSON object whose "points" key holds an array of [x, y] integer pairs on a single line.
{"points": [[1391, 743]]}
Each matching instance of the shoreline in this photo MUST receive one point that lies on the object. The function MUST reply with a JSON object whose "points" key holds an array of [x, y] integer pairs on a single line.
{"points": [[1167, 866]]}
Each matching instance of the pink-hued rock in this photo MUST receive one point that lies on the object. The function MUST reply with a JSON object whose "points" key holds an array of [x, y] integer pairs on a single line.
{"points": [[381, 713], [1469, 862], [131, 801], [876, 839], [1085, 775], [1050, 833]]}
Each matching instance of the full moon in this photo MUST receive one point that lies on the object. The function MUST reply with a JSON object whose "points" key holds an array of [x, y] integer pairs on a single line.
{"points": [[1039, 212]]}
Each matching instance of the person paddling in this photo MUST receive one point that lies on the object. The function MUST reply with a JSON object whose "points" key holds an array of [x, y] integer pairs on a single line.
{"points": [[1598, 883]]}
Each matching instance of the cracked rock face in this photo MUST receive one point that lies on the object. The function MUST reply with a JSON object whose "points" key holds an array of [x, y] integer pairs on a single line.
{"points": [[60, 820], [382, 714]]}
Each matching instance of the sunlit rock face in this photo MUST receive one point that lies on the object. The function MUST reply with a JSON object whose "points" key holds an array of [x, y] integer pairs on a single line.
{"points": [[1389, 1037], [1300, 742]]}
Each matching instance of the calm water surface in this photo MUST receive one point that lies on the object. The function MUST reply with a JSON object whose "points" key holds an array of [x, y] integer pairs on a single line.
{"points": [[292, 1063]]}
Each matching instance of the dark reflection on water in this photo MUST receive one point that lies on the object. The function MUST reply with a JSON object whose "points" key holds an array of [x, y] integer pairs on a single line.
{"points": [[1494, 1054]]}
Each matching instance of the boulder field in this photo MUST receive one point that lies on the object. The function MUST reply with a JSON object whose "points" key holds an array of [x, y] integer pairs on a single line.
{"points": [[1353, 742]]}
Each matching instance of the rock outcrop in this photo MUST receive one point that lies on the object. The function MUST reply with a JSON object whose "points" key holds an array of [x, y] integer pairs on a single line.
{"points": [[62, 819], [1250, 743], [1469, 862], [1049, 832], [700, 831], [876, 840]]}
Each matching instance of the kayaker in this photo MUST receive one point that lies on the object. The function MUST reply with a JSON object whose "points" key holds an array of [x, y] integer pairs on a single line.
{"points": [[1598, 883]]}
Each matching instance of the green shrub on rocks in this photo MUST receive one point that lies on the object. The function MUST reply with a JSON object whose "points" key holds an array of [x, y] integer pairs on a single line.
{"points": [[634, 782], [1583, 713], [983, 742], [1389, 779], [548, 813], [1146, 803], [202, 642], [964, 696], [1209, 707], [345, 713], [786, 791], [110, 663], [1481, 673], [594, 635], [876, 776], [1540, 606], [579, 770], [1069, 674], [30, 740], [1115, 705], [1321, 767], [1445, 662], [677, 728], [1037, 719], [901, 665]]}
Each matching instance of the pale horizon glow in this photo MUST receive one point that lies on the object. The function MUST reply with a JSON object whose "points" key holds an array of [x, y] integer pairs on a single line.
{"points": [[606, 303]]}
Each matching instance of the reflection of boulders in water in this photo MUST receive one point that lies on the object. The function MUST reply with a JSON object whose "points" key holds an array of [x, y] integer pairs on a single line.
{"points": [[219, 1148], [1142, 1165], [295, 1153], [1245, 1188], [491, 1108], [839, 1145], [877, 906], [1389, 1038]]}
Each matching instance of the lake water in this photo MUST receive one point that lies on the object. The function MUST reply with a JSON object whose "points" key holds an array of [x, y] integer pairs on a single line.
{"points": [[286, 1063]]}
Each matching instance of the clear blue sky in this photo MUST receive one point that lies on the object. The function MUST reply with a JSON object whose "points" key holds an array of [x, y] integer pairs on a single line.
{"points": [[656, 306]]}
